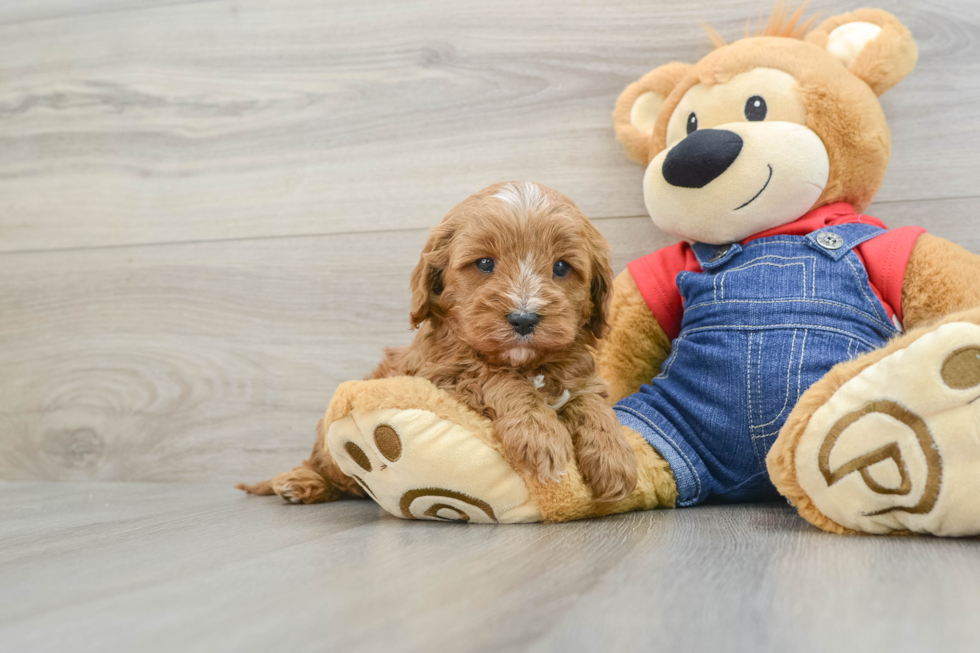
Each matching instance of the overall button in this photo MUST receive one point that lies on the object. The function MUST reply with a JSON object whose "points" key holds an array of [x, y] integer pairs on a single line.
{"points": [[830, 240], [719, 254]]}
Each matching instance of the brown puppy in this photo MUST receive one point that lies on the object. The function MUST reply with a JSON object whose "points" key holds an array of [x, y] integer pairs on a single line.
{"points": [[509, 298]]}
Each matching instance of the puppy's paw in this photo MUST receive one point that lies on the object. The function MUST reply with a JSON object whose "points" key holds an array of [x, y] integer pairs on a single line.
{"points": [[607, 463], [301, 485], [549, 460], [540, 446]]}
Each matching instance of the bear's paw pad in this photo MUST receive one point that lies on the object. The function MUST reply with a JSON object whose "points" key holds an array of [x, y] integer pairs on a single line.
{"points": [[897, 447], [417, 465]]}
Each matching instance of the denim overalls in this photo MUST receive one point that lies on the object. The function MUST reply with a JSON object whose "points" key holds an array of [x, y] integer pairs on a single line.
{"points": [[761, 323]]}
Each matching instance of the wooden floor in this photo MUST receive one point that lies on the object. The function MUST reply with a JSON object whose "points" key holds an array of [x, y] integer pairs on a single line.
{"points": [[183, 567], [209, 210]]}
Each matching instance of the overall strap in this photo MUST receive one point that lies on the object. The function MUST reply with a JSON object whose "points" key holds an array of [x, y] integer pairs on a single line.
{"points": [[835, 242], [714, 256]]}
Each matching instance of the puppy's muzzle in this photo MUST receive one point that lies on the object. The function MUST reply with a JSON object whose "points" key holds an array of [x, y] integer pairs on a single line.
{"points": [[701, 158], [523, 322]]}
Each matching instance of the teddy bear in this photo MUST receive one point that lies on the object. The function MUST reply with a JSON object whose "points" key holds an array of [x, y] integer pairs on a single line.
{"points": [[788, 346]]}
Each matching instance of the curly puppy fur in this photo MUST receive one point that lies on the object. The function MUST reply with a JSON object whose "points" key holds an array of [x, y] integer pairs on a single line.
{"points": [[492, 258]]}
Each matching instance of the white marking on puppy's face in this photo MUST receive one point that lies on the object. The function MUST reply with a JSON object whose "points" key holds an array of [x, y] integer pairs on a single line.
{"points": [[525, 292], [522, 197], [520, 355]]}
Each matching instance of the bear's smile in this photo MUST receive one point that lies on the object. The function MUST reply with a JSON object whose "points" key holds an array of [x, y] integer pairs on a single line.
{"points": [[754, 197]]}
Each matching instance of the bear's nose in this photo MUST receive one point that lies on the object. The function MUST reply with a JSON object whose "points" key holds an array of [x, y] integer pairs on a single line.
{"points": [[523, 323], [701, 157]]}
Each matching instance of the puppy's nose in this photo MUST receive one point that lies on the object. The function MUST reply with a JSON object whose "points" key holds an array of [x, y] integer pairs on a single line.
{"points": [[523, 323], [700, 158]]}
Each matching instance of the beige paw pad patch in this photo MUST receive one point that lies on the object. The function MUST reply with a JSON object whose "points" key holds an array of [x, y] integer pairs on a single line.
{"points": [[417, 465], [898, 446]]}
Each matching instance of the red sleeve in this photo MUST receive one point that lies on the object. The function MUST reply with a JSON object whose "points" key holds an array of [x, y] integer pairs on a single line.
{"points": [[656, 276], [885, 258]]}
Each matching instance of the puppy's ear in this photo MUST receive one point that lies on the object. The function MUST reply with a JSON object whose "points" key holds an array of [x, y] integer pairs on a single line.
{"points": [[871, 43], [601, 285], [427, 276], [639, 106]]}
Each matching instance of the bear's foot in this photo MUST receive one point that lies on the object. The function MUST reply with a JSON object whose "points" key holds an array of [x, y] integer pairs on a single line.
{"points": [[421, 455], [891, 442]]}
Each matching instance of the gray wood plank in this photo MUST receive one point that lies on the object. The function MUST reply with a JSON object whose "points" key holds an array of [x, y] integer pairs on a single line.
{"points": [[125, 122], [22, 12], [956, 219], [222, 572], [203, 360], [215, 360]]}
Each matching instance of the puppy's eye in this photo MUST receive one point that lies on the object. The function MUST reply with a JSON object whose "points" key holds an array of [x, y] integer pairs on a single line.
{"points": [[561, 269], [485, 265], [692, 122], [755, 108]]}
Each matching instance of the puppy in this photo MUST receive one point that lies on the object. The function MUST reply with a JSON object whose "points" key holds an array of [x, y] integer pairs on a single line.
{"points": [[509, 298]]}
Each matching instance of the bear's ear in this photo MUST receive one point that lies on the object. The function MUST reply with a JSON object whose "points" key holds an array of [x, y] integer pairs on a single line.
{"points": [[872, 44], [639, 105]]}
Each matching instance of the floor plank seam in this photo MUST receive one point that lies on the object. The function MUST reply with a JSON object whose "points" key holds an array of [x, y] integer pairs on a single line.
{"points": [[104, 12], [329, 234]]}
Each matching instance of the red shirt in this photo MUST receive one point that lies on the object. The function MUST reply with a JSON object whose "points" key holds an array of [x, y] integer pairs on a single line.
{"points": [[885, 257]]}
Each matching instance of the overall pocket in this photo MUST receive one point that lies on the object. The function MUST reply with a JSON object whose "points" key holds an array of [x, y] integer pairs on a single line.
{"points": [[782, 364]]}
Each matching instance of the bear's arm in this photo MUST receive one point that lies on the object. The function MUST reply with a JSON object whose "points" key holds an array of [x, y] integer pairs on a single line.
{"points": [[941, 278], [636, 346]]}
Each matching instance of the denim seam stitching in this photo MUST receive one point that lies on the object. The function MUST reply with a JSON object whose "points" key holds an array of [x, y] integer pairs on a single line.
{"points": [[789, 375], [758, 375], [799, 260], [799, 386], [878, 307], [754, 476], [665, 371], [762, 242], [861, 284], [849, 243], [874, 317], [771, 327], [758, 378], [707, 264], [748, 375], [666, 437]]}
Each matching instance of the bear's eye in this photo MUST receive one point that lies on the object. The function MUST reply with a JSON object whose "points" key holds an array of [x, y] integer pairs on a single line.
{"points": [[561, 269], [485, 265], [755, 108], [692, 122]]}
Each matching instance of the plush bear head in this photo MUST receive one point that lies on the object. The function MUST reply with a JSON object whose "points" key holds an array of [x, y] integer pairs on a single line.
{"points": [[767, 128]]}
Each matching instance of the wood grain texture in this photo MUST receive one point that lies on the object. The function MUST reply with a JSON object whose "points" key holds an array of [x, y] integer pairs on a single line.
{"points": [[125, 122], [197, 361], [209, 209], [200, 360], [192, 568]]}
